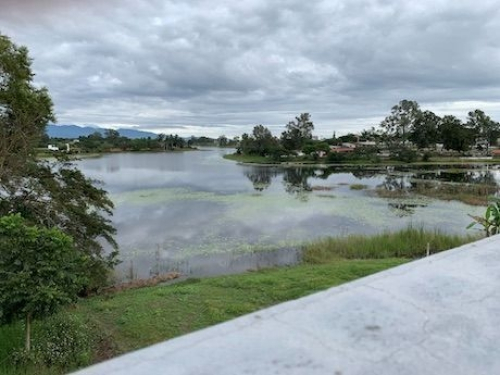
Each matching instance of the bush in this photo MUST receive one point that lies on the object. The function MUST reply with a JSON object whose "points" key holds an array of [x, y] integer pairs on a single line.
{"points": [[63, 341], [335, 157], [405, 155]]}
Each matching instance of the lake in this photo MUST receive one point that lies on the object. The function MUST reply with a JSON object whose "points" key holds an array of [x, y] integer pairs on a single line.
{"points": [[200, 214]]}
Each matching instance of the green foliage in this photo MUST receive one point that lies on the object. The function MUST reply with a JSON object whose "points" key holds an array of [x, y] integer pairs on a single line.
{"points": [[39, 269], [365, 153], [398, 125], [454, 135], [24, 109], [336, 157], [48, 194], [485, 128], [11, 340], [297, 132], [113, 141], [425, 130], [405, 155], [491, 220], [261, 143], [63, 341]]}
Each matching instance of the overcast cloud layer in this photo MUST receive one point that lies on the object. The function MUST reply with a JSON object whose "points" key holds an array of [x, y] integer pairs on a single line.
{"points": [[221, 67]]}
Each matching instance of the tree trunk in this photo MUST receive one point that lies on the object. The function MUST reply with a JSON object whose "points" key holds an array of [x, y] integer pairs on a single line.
{"points": [[28, 332]]}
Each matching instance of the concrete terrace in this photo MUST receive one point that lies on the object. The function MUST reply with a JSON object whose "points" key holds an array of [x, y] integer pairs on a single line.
{"points": [[438, 315]]}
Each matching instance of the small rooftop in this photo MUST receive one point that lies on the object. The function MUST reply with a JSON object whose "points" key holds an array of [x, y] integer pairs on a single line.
{"points": [[438, 315]]}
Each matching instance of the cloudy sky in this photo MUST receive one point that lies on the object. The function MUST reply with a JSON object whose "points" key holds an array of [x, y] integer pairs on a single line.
{"points": [[196, 67]]}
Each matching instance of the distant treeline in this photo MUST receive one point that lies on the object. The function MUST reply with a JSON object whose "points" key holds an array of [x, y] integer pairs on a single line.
{"points": [[403, 135], [111, 140]]}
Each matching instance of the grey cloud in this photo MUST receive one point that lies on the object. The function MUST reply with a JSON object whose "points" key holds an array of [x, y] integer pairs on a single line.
{"points": [[230, 65]]}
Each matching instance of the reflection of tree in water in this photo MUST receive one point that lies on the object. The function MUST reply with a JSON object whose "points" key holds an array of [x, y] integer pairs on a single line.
{"points": [[366, 173], [467, 176], [473, 183], [324, 173], [395, 183], [261, 177], [470, 187], [295, 181]]}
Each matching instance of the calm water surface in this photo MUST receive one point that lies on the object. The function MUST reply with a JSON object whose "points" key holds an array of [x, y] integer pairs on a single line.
{"points": [[200, 214]]}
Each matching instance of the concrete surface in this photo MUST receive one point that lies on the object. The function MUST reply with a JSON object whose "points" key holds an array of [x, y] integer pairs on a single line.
{"points": [[439, 315]]}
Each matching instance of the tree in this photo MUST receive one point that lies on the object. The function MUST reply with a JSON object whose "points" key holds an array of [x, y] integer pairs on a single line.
{"points": [[454, 135], [297, 132], [425, 130], [399, 124], [222, 141], [261, 142], [264, 143], [24, 109], [486, 129], [40, 271], [161, 141], [46, 193]]}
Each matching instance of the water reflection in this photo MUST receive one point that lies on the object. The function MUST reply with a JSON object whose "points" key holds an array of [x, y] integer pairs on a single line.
{"points": [[298, 181], [442, 181], [261, 177], [199, 213], [396, 183], [295, 181]]}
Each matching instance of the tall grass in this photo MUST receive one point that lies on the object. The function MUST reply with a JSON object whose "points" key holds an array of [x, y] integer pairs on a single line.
{"points": [[11, 338], [407, 243]]}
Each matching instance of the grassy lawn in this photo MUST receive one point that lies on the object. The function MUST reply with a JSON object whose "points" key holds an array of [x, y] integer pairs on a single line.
{"points": [[130, 320], [142, 317]]}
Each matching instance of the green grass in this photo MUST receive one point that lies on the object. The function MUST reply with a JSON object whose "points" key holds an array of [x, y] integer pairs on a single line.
{"points": [[136, 318], [124, 321], [407, 243], [250, 159], [142, 317]]}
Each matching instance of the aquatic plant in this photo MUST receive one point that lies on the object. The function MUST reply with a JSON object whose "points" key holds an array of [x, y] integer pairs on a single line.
{"points": [[491, 220]]}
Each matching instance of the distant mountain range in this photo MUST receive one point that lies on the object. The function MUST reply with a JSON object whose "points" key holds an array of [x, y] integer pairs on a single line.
{"points": [[74, 131]]}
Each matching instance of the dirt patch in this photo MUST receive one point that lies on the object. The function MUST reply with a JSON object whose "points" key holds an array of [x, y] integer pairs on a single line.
{"points": [[142, 283]]}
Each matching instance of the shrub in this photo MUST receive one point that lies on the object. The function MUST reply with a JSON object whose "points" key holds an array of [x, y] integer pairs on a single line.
{"points": [[63, 341]]}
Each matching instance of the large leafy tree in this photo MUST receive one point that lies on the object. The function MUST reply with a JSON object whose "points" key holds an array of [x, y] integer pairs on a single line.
{"points": [[398, 126], [485, 128], [40, 270], [454, 135], [297, 132], [46, 193], [260, 142], [425, 130]]}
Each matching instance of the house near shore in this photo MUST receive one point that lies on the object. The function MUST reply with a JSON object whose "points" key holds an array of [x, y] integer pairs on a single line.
{"points": [[341, 149], [52, 148]]}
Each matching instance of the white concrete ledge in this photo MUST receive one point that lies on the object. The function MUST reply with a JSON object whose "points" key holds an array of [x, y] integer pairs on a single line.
{"points": [[438, 315]]}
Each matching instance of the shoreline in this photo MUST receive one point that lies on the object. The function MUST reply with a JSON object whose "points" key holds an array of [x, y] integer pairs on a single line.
{"points": [[312, 164]]}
